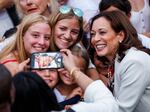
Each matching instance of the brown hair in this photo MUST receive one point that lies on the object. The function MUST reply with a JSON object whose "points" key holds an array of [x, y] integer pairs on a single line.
{"points": [[119, 22], [59, 16]]}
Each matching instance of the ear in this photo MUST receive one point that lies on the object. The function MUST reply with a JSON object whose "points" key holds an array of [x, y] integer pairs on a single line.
{"points": [[120, 36]]}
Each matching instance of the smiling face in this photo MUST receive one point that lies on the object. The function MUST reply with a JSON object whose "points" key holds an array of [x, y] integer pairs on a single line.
{"points": [[65, 76], [66, 32], [34, 6], [50, 76], [37, 38], [104, 39]]}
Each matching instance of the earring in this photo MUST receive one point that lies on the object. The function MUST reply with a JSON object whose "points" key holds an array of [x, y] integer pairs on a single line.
{"points": [[120, 41], [49, 7]]}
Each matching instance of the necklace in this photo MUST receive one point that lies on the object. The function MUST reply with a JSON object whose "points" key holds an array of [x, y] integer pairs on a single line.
{"points": [[110, 72], [110, 76]]}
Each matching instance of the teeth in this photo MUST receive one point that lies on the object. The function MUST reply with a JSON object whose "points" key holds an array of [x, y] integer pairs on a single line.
{"points": [[100, 46], [47, 81], [67, 77], [38, 49], [64, 40]]}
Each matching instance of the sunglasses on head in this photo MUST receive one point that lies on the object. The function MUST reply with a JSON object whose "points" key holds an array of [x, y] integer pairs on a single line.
{"points": [[64, 9]]}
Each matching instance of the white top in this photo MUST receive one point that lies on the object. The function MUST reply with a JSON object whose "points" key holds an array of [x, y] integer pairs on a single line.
{"points": [[145, 40], [7, 42], [132, 82], [5, 22], [131, 91], [97, 98], [141, 19], [59, 96]]}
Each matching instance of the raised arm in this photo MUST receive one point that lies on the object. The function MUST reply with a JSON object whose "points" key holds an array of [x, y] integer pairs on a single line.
{"points": [[97, 98]]}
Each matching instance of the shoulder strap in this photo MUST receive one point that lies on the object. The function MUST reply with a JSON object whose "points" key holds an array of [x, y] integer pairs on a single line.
{"points": [[13, 15], [7, 61]]}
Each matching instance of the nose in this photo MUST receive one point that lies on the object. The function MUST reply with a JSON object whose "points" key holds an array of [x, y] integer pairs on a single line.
{"points": [[29, 1], [67, 34], [41, 41], [46, 73], [96, 37]]}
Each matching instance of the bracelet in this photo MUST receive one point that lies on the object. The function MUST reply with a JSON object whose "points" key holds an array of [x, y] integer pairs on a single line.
{"points": [[73, 70]]}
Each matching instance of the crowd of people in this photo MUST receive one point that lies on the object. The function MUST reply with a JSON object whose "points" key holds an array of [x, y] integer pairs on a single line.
{"points": [[105, 52]]}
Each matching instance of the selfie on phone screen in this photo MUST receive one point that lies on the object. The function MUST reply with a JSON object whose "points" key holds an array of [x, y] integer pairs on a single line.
{"points": [[46, 60]]}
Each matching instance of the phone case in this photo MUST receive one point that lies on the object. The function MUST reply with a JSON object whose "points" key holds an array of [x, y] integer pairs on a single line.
{"points": [[46, 60]]}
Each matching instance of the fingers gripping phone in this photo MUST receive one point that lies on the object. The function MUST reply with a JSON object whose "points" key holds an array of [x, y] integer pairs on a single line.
{"points": [[46, 60]]}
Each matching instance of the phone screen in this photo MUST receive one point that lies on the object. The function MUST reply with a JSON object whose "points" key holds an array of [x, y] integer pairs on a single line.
{"points": [[46, 60]]}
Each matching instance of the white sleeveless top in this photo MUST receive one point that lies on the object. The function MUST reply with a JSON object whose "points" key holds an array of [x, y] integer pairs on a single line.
{"points": [[141, 19], [59, 96]]}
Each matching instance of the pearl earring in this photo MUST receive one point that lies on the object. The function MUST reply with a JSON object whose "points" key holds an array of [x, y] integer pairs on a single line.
{"points": [[49, 7], [120, 41]]}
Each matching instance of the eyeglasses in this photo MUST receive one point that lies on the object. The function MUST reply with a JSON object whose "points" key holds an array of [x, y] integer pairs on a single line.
{"points": [[64, 9]]}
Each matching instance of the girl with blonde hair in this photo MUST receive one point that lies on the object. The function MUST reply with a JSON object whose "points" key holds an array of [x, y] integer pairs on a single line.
{"points": [[33, 35], [25, 7]]}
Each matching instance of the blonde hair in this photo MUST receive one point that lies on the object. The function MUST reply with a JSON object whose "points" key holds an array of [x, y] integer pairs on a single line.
{"points": [[52, 6], [18, 44], [58, 17]]}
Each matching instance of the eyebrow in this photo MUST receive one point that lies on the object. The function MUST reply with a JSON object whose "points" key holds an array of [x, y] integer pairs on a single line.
{"points": [[34, 31]]}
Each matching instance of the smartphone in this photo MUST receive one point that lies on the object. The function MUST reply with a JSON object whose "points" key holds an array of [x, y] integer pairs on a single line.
{"points": [[46, 60]]}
